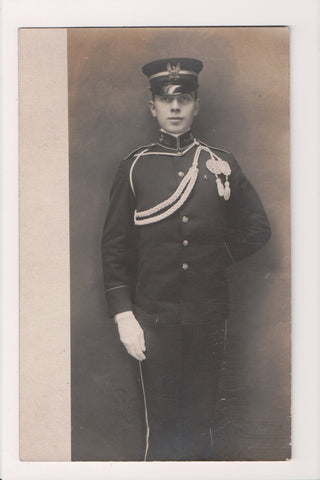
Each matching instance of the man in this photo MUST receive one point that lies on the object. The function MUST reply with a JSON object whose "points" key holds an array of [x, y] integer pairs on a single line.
{"points": [[180, 213]]}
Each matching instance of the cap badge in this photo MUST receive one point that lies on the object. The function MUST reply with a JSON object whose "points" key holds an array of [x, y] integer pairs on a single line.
{"points": [[173, 71]]}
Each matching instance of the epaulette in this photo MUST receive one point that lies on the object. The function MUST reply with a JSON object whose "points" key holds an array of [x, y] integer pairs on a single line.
{"points": [[137, 150], [214, 148]]}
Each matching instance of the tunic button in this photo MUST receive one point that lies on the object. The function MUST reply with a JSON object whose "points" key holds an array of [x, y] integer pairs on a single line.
{"points": [[185, 266], [181, 174], [185, 243], [185, 219]]}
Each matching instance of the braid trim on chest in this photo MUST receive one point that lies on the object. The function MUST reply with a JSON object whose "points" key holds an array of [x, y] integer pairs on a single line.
{"points": [[182, 193]]}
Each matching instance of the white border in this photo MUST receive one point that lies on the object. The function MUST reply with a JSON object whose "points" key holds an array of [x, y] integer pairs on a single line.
{"points": [[303, 18]]}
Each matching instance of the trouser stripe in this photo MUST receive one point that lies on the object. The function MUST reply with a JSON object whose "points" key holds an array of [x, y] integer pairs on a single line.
{"points": [[145, 413]]}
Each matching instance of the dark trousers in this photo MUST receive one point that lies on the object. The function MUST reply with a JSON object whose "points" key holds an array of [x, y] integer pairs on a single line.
{"points": [[180, 380]]}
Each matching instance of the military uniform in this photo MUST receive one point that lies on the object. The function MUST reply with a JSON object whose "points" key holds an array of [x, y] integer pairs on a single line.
{"points": [[180, 213]]}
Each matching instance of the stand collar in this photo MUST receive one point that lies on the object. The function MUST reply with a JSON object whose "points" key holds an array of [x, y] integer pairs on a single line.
{"points": [[175, 143]]}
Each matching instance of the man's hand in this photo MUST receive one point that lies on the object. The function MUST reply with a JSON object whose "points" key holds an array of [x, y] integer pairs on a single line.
{"points": [[131, 334]]}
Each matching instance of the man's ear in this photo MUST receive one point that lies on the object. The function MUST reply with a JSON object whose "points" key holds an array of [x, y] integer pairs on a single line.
{"points": [[152, 108], [196, 107]]}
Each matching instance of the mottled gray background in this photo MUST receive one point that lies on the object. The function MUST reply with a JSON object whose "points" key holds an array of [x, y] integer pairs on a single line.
{"points": [[244, 91]]}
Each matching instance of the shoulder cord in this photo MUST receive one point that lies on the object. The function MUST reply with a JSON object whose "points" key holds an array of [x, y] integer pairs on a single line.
{"points": [[179, 197], [133, 164], [183, 191], [146, 152], [192, 172]]}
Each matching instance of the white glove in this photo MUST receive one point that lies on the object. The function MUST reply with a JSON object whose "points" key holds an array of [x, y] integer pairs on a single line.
{"points": [[131, 334]]}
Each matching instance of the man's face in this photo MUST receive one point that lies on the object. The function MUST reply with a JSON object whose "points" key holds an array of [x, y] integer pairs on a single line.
{"points": [[175, 113]]}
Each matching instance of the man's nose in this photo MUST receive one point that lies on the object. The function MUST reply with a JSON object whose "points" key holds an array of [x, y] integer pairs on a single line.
{"points": [[174, 105]]}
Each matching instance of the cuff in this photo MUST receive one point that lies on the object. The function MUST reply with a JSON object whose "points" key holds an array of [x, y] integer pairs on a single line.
{"points": [[118, 299]]}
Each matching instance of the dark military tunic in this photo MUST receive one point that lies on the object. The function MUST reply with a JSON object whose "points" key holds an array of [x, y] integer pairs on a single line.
{"points": [[175, 268], [172, 272]]}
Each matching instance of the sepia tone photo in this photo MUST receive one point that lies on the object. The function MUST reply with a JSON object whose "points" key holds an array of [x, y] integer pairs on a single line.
{"points": [[172, 246]]}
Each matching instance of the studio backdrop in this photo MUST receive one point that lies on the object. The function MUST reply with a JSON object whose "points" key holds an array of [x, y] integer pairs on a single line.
{"points": [[244, 109]]}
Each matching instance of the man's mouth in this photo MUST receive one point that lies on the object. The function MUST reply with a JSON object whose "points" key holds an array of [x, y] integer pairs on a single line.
{"points": [[175, 118]]}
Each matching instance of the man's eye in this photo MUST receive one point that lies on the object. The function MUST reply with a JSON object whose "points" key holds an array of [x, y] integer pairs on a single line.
{"points": [[165, 99]]}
